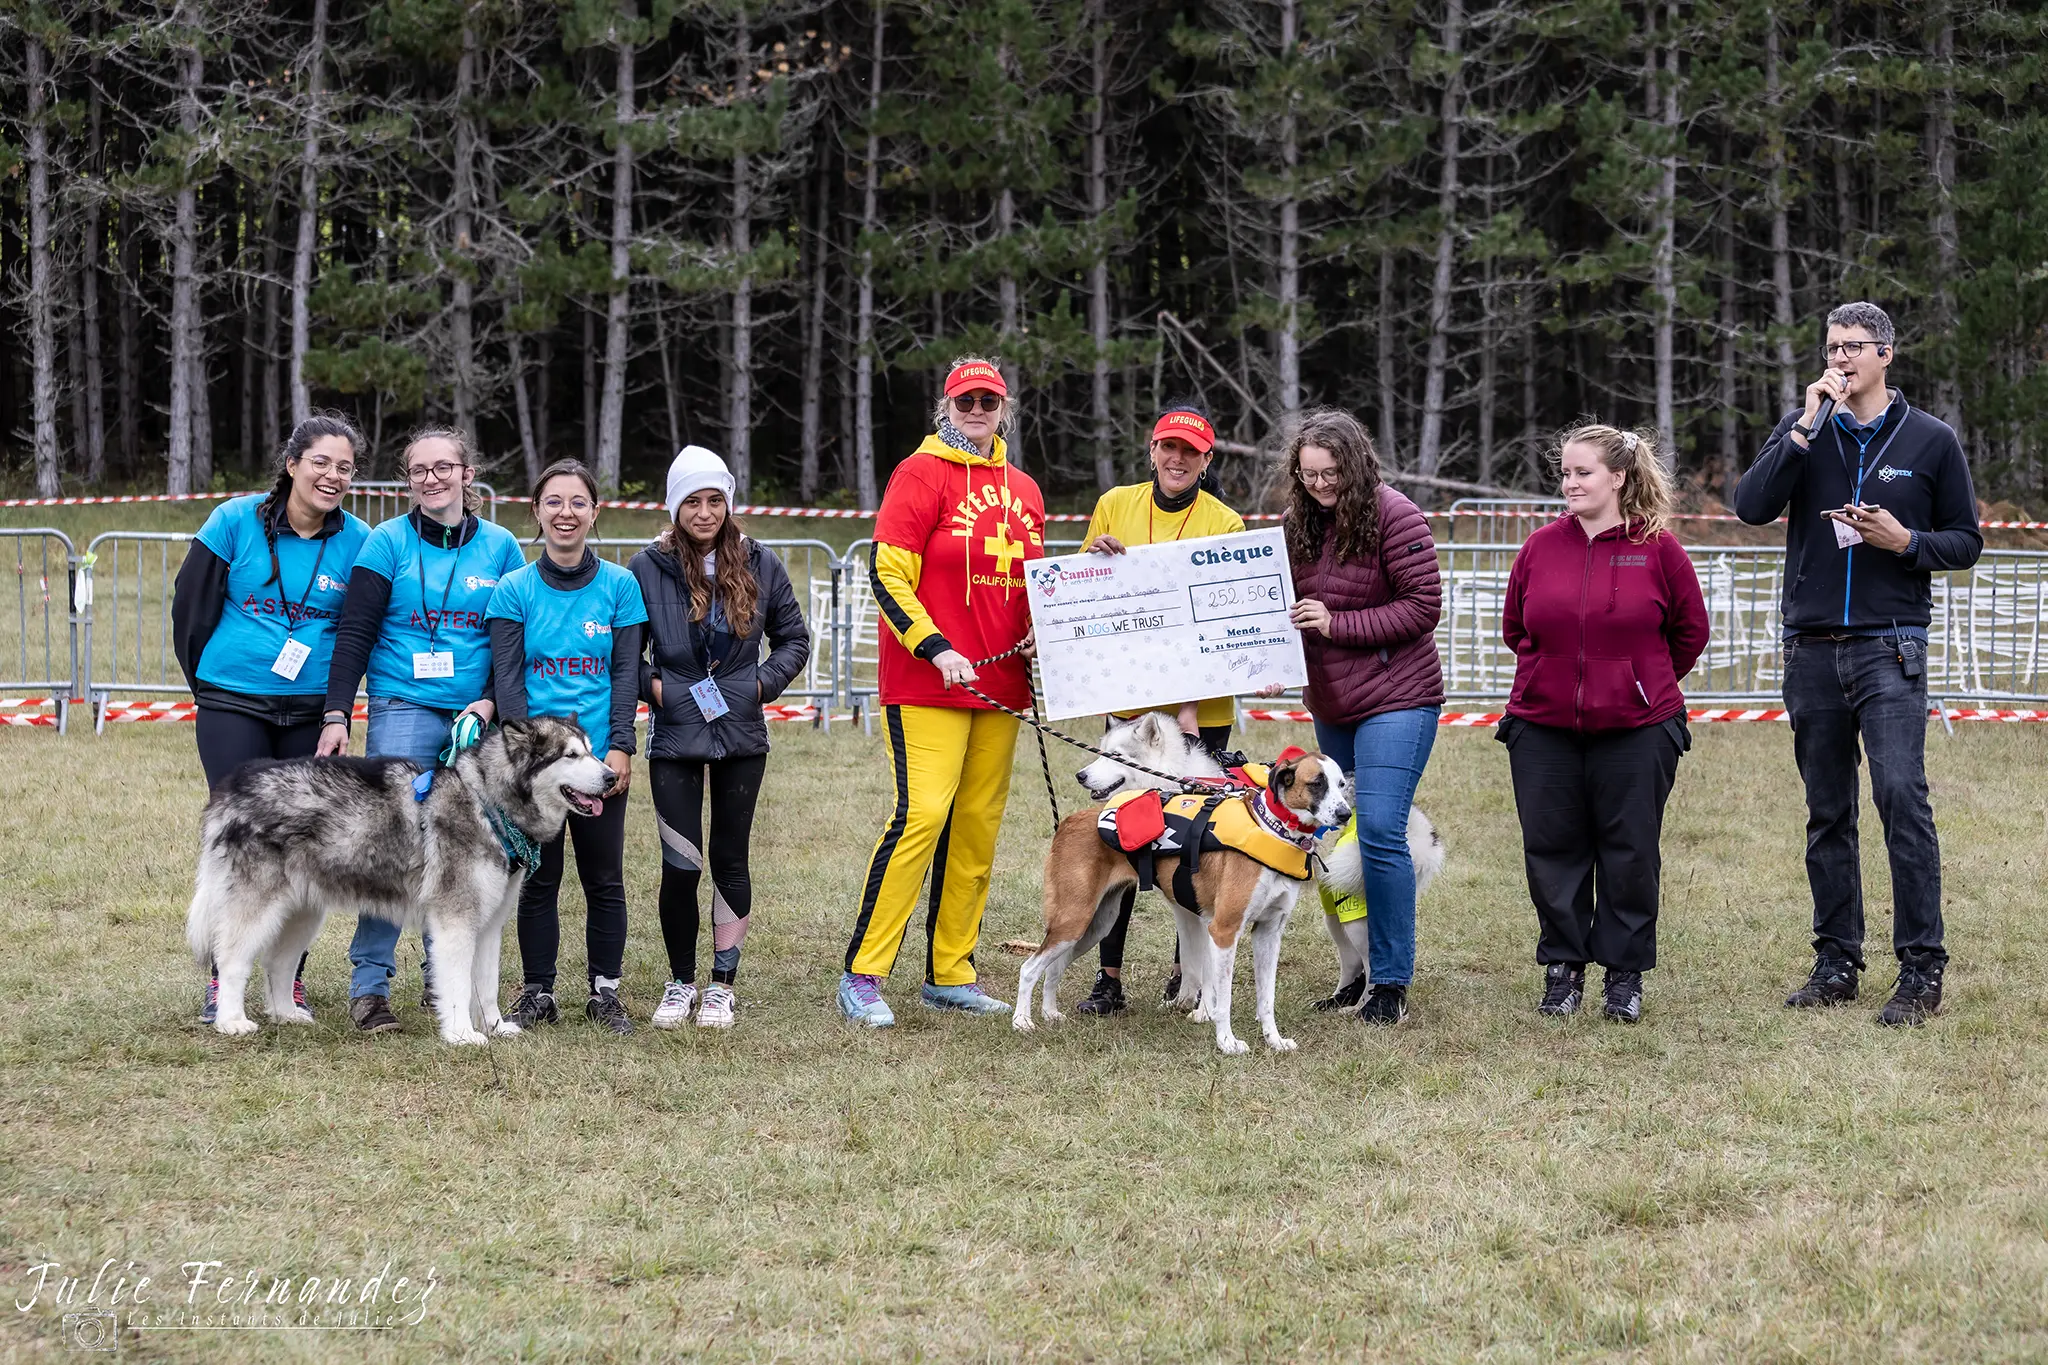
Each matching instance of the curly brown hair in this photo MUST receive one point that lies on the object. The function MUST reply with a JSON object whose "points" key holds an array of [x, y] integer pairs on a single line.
{"points": [[1357, 513]]}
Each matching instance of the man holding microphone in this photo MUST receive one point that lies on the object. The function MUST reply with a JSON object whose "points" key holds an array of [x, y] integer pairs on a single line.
{"points": [[1877, 498]]}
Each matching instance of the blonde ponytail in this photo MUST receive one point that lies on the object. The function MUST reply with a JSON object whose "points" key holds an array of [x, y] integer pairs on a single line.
{"points": [[1646, 497]]}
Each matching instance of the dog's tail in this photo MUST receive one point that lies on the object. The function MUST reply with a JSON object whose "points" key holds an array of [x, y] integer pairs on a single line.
{"points": [[199, 919], [1344, 871]]}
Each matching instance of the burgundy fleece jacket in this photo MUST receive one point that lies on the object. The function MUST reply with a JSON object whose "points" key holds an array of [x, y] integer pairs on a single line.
{"points": [[1603, 629], [1380, 654]]}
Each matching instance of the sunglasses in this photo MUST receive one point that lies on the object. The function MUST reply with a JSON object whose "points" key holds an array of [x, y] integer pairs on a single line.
{"points": [[989, 402]]}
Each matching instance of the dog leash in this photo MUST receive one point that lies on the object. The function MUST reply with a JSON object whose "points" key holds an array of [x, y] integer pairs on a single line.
{"points": [[1044, 762]]}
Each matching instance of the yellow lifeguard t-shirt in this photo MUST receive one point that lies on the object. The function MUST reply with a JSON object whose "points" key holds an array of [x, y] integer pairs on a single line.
{"points": [[1129, 514]]}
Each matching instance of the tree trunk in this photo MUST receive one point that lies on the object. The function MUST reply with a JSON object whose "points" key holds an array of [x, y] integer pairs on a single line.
{"points": [[42, 282], [1098, 269], [127, 358], [739, 412], [1007, 326], [543, 397], [1489, 343], [1287, 351], [201, 383], [529, 447], [612, 420], [271, 436], [814, 334], [671, 382], [864, 356], [1781, 220], [89, 309], [184, 284], [461, 323], [1383, 358], [309, 215], [1450, 118], [589, 386], [1731, 322], [1941, 149], [1663, 105]]}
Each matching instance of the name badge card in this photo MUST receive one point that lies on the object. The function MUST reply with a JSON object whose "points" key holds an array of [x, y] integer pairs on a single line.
{"points": [[1165, 623], [711, 703], [1847, 535], [435, 665], [291, 659]]}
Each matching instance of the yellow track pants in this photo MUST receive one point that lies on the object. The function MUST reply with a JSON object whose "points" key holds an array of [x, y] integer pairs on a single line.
{"points": [[952, 778]]}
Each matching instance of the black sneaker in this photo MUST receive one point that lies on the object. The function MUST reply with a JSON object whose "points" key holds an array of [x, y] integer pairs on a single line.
{"points": [[1564, 989], [1385, 1005], [1345, 997], [372, 1014], [606, 1010], [1171, 991], [1624, 996], [1106, 998], [533, 1005], [1917, 997], [1833, 982]]}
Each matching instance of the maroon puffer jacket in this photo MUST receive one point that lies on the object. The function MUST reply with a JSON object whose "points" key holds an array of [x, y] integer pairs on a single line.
{"points": [[1380, 654]]}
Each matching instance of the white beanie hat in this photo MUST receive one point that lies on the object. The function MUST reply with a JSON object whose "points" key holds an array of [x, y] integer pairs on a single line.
{"points": [[696, 469]]}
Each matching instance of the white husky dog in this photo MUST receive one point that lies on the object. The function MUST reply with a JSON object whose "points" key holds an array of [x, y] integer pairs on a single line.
{"points": [[284, 843], [1157, 742]]}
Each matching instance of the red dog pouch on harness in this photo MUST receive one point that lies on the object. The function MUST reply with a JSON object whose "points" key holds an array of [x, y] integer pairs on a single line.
{"points": [[1139, 821]]}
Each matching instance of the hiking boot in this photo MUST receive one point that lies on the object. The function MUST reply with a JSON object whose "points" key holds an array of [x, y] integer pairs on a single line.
{"points": [[1917, 998], [967, 999], [533, 1005], [372, 1014], [1624, 1004], [299, 996], [607, 1011], [717, 1009], [678, 998], [1345, 997], [1106, 998], [1832, 982], [211, 1008], [860, 1000], [1385, 1005], [1564, 989]]}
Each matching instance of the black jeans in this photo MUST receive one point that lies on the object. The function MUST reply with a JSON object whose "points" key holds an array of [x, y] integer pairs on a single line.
{"points": [[1213, 737], [1837, 691], [228, 739], [678, 787], [601, 866], [1594, 804]]}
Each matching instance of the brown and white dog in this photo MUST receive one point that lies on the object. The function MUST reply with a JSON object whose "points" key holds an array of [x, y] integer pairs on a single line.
{"points": [[1085, 879]]}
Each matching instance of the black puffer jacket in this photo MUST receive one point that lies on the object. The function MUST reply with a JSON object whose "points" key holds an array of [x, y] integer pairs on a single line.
{"points": [[678, 655]]}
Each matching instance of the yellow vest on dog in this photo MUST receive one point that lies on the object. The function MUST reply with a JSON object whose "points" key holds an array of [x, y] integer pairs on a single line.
{"points": [[1346, 908], [1231, 826]]}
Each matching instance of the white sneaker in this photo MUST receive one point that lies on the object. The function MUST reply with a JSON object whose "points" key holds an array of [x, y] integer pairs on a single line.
{"points": [[717, 1010], [676, 999]]}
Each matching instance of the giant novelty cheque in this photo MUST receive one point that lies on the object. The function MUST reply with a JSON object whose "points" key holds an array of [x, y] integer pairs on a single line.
{"points": [[1165, 623]]}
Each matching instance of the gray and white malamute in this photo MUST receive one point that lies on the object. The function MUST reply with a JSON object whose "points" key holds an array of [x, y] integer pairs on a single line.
{"points": [[284, 844]]}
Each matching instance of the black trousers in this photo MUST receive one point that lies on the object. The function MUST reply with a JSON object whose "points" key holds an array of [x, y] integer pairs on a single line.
{"points": [[1592, 811], [1213, 737], [601, 866], [678, 786], [228, 739]]}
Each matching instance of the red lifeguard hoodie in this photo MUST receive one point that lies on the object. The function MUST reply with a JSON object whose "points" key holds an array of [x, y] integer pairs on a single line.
{"points": [[1603, 629]]}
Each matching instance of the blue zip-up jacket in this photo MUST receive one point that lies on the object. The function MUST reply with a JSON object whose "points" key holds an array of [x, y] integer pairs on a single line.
{"points": [[1913, 467]]}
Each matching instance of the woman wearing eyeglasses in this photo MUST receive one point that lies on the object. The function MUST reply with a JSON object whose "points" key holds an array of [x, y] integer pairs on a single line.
{"points": [[1367, 599], [565, 641], [1174, 504], [954, 531], [254, 608], [415, 622]]}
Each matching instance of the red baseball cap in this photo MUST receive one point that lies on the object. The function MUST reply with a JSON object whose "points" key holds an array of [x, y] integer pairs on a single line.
{"points": [[1191, 427], [970, 375]]}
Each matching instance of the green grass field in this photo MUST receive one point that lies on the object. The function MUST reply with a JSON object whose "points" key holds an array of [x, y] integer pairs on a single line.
{"points": [[1724, 1181]]}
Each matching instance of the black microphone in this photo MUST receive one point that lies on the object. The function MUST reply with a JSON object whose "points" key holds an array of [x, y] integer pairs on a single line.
{"points": [[1823, 412]]}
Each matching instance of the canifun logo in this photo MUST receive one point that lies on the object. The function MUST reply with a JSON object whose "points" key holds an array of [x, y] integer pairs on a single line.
{"points": [[593, 629], [473, 582], [1887, 473], [1048, 577]]}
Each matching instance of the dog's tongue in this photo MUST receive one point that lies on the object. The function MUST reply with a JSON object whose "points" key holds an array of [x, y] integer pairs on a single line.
{"points": [[596, 804]]}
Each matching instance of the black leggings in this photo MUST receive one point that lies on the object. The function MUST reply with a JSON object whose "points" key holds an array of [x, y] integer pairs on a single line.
{"points": [[601, 866], [228, 739], [678, 786], [1214, 737]]}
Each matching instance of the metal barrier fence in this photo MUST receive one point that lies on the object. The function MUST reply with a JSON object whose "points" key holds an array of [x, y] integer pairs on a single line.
{"points": [[1986, 642], [39, 638], [376, 500], [1496, 521]]}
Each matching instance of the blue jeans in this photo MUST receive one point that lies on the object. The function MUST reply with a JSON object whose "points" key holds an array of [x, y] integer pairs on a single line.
{"points": [[1836, 693], [398, 729], [1384, 756]]}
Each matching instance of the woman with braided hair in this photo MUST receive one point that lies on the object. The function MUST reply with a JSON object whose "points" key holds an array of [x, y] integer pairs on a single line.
{"points": [[956, 526]]}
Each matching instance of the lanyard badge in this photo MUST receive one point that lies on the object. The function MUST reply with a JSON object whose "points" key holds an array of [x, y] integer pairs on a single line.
{"points": [[434, 662], [292, 657]]}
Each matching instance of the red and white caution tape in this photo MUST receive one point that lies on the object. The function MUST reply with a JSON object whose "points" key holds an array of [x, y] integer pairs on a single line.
{"points": [[183, 709], [1712, 713]]}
